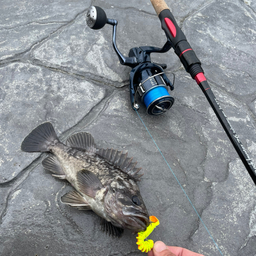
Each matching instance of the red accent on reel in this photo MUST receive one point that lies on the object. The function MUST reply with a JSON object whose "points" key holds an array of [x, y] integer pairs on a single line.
{"points": [[170, 26], [200, 78]]}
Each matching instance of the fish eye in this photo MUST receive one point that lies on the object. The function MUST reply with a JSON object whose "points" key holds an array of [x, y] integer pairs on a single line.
{"points": [[136, 200]]}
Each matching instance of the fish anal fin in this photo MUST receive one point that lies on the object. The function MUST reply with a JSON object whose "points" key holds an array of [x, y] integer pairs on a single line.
{"points": [[83, 141], [83, 208], [75, 199], [88, 183], [110, 229], [121, 161], [61, 177], [52, 164]]}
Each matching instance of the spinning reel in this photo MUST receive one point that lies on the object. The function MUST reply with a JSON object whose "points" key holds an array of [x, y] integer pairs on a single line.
{"points": [[147, 80]]}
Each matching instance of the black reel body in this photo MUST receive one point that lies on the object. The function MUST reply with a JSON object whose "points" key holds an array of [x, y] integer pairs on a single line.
{"points": [[147, 80]]}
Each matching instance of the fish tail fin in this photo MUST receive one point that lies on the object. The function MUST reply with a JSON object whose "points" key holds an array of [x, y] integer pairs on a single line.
{"points": [[40, 139]]}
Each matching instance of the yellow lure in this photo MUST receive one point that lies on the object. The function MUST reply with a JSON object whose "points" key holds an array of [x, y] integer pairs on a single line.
{"points": [[146, 246]]}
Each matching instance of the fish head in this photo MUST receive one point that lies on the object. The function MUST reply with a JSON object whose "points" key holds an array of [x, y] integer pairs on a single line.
{"points": [[125, 209]]}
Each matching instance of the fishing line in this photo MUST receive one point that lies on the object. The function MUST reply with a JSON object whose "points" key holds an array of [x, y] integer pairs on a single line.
{"points": [[180, 184]]}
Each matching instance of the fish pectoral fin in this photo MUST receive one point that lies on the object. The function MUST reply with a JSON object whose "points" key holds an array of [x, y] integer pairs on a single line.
{"points": [[52, 164], [121, 161], [88, 183], [82, 140], [74, 198], [110, 229]]}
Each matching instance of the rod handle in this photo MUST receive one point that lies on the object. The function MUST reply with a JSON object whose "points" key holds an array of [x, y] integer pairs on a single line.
{"points": [[177, 39], [159, 5]]}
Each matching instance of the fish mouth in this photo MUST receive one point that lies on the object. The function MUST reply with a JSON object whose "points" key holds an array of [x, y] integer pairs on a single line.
{"points": [[143, 222], [136, 221]]}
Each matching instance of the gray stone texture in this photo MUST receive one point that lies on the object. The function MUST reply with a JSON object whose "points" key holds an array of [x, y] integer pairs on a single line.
{"points": [[54, 68]]}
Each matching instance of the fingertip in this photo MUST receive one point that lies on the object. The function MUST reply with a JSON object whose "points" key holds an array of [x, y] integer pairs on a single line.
{"points": [[159, 246]]}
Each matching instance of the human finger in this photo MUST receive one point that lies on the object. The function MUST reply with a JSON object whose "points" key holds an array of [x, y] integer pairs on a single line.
{"points": [[160, 249], [179, 251]]}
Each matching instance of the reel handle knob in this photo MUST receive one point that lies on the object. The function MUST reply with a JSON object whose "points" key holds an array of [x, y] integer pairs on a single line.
{"points": [[96, 17]]}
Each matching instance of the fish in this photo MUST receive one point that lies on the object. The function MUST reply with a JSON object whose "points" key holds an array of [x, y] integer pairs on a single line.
{"points": [[105, 180]]}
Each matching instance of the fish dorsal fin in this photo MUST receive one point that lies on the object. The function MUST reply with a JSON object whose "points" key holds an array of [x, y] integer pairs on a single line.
{"points": [[121, 161], [82, 140], [88, 183]]}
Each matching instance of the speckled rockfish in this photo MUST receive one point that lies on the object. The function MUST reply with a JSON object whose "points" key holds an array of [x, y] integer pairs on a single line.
{"points": [[105, 180]]}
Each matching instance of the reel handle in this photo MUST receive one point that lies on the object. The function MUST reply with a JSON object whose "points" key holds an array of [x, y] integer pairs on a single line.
{"points": [[96, 18]]}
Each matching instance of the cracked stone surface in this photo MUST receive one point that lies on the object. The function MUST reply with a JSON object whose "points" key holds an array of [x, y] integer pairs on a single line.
{"points": [[54, 68]]}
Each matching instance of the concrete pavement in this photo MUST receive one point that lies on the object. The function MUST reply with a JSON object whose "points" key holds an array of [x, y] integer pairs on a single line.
{"points": [[54, 68]]}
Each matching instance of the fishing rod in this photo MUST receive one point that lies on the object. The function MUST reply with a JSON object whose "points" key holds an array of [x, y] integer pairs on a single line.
{"points": [[148, 82], [193, 66]]}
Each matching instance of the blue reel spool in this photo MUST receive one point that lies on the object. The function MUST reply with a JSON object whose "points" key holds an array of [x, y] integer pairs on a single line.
{"points": [[152, 88], [157, 100]]}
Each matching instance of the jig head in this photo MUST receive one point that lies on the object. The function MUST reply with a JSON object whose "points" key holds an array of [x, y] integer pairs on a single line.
{"points": [[146, 246]]}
